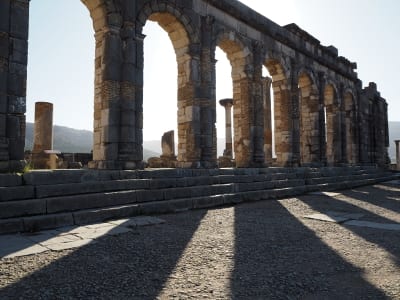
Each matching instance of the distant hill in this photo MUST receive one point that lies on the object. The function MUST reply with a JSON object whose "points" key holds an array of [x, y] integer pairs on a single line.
{"points": [[71, 140]]}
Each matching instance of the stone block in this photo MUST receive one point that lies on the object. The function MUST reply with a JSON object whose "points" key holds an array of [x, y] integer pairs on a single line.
{"points": [[19, 19], [19, 52], [4, 44], [5, 15], [210, 201], [149, 195], [37, 223], [166, 206], [3, 83], [176, 193], [16, 193], [9, 180], [3, 122], [16, 84], [232, 198], [22, 208], [16, 149], [48, 177], [100, 215], [11, 226], [79, 202], [3, 103], [16, 105]]}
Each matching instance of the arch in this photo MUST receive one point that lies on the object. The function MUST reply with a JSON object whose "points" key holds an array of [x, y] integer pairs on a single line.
{"points": [[310, 133], [168, 17], [240, 58], [182, 35], [281, 91], [350, 126], [332, 124]]}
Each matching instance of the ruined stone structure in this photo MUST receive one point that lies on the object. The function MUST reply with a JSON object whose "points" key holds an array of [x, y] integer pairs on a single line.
{"points": [[42, 158], [43, 131], [323, 116]]}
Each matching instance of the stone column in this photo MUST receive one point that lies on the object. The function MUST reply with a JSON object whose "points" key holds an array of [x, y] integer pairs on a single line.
{"points": [[227, 104], [267, 82], [397, 155], [43, 132], [42, 156]]}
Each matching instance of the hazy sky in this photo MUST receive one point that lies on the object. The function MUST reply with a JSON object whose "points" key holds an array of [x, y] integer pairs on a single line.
{"points": [[61, 53]]}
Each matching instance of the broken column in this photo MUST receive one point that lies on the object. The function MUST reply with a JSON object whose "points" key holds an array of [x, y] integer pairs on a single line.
{"points": [[168, 157], [397, 155], [42, 156]]}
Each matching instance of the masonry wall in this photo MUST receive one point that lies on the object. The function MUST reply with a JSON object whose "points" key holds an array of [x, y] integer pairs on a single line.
{"points": [[322, 114], [13, 72]]}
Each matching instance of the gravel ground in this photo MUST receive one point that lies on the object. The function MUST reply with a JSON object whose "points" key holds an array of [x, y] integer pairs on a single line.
{"points": [[259, 250]]}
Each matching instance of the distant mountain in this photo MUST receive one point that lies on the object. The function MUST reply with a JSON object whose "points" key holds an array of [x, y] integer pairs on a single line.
{"points": [[71, 140], [394, 134]]}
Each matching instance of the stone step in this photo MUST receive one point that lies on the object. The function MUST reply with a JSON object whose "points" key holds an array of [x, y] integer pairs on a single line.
{"points": [[45, 191], [158, 194], [51, 205]]}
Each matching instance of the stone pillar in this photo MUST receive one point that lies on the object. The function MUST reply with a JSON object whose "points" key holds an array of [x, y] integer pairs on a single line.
{"points": [[43, 132], [397, 155], [42, 155], [267, 82], [227, 104], [14, 19]]}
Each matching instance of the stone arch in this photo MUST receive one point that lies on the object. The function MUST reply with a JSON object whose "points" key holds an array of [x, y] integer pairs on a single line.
{"points": [[182, 36], [240, 58], [107, 24], [332, 124], [310, 147], [282, 114], [349, 106]]}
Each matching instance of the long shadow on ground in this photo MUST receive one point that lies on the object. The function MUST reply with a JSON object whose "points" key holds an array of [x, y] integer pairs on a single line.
{"points": [[135, 265], [371, 195], [277, 257]]}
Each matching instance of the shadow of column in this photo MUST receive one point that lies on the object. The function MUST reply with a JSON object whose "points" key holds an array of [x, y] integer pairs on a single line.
{"points": [[277, 257]]}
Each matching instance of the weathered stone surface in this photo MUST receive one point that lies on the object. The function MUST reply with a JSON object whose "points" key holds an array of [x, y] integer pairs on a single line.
{"points": [[37, 223], [100, 215], [16, 193], [20, 208]]}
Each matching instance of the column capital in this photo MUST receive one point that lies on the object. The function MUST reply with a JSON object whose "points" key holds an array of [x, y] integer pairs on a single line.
{"points": [[226, 102]]}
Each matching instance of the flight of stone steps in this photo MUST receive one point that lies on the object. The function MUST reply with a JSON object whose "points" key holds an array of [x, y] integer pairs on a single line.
{"points": [[48, 199]]}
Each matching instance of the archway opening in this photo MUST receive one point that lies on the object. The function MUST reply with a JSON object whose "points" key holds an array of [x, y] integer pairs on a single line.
{"points": [[224, 111], [159, 90], [237, 55], [332, 121], [269, 117], [167, 94], [60, 70]]}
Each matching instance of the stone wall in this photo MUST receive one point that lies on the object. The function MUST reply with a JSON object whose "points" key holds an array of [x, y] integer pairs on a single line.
{"points": [[322, 114]]}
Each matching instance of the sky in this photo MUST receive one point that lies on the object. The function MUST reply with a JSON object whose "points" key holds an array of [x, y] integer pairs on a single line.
{"points": [[61, 56]]}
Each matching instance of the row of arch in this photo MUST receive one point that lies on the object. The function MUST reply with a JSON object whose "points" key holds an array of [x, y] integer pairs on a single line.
{"points": [[327, 133], [317, 105]]}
